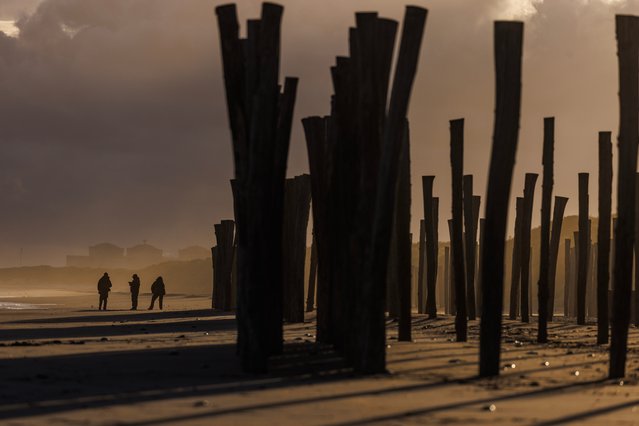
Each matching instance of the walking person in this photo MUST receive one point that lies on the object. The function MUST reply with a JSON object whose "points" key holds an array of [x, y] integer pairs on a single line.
{"points": [[104, 287], [158, 291], [134, 284]]}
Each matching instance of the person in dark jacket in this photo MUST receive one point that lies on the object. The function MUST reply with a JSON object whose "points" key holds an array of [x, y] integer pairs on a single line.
{"points": [[158, 291], [135, 291], [104, 287]]}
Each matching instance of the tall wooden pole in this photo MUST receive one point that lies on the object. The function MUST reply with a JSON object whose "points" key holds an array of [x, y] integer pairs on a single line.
{"points": [[431, 305], [508, 53], [544, 249], [555, 236], [515, 271], [635, 301], [457, 162], [478, 274], [627, 29], [567, 276], [404, 243], [470, 238], [603, 235], [312, 276], [421, 263], [447, 286], [260, 120], [582, 272], [526, 224], [431, 246]]}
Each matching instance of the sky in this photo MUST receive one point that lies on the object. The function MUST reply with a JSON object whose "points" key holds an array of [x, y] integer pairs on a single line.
{"points": [[113, 122]]}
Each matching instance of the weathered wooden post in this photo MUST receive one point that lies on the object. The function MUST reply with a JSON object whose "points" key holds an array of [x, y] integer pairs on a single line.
{"points": [[544, 249], [312, 276], [447, 286], [470, 239], [575, 275], [457, 241], [508, 52], [431, 305], [371, 336], [567, 276], [526, 224], [627, 29], [515, 273], [318, 144], [297, 203], [404, 243], [260, 120], [421, 263], [555, 236], [584, 241], [603, 235], [431, 246], [635, 302], [478, 272], [214, 289], [452, 291], [224, 234]]}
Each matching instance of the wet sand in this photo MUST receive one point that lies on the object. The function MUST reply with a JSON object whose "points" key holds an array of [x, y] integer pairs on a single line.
{"points": [[72, 365]]}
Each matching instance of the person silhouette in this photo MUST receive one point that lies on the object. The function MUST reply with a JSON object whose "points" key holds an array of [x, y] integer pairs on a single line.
{"points": [[104, 287], [135, 291], [158, 290]]}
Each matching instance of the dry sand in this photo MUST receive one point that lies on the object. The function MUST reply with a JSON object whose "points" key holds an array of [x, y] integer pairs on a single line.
{"points": [[71, 365]]}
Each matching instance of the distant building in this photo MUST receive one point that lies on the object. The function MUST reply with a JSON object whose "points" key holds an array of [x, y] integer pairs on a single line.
{"points": [[105, 255], [143, 255], [193, 253]]}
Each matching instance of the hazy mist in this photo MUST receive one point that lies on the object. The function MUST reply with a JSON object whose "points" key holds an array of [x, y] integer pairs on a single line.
{"points": [[113, 122]]}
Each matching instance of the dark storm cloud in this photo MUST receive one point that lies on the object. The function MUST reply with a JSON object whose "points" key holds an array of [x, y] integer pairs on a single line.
{"points": [[113, 123]]}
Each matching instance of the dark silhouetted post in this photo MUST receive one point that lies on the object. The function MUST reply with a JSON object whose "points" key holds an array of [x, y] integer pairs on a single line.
{"points": [[297, 203], [260, 120], [627, 29], [515, 272], [447, 286], [457, 241], [431, 246], [603, 235], [431, 305], [470, 238], [478, 273], [555, 236], [224, 234], [544, 249], [567, 276], [508, 52], [312, 276], [526, 223], [635, 302], [421, 293], [582, 272], [371, 336], [404, 243], [318, 144]]}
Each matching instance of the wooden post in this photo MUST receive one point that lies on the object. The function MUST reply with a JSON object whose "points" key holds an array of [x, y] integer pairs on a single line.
{"points": [[508, 52], [603, 235], [318, 144], [371, 336], [312, 276], [457, 241], [582, 271], [471, 216], [431, 246], [452, 289], [478, 272], [567, 277], [627, 29], [529, 198], [515, 275], [404, 241], [260, 120], [431, 307], [635, 320], [421, 263], [544, 245], [214, 289], [555, 236], [297, 200], [224, 234], [447, 285]]}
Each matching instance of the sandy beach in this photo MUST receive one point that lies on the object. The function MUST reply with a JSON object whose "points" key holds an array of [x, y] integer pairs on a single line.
{"points": [[73, 365]]}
